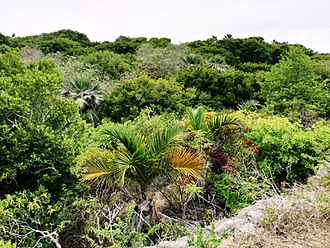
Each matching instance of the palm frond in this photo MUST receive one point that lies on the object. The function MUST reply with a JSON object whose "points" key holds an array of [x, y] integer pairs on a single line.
{"points": [[81, 103], [92, 116], [162, 139], [84, 91], [123, 164], [195, 118], [249, 105], [218, 123], [107, 169], [132, 157], [187, 162], [81, 83], [126, 136], [99, 167]]}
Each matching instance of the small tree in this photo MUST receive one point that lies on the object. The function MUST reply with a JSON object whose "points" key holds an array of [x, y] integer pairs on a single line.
{"points": [[292, 86]]}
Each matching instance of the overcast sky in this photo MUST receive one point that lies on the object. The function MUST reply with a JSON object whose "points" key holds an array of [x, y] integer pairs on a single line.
{"points": [[295, 21]]}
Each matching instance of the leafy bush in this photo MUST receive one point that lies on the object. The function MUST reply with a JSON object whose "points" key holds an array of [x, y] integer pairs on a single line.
{"points": [[253, 67], [283, 151], [109, 64], [32, 218], [237, 190], [321, 130], [216, 89], [127, 100], [38, 129], [293, 87], [7, 244], [63, 45]]}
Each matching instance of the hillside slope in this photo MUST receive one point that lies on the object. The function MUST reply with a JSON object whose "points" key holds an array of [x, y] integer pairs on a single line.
{"points": [[297, 218]]}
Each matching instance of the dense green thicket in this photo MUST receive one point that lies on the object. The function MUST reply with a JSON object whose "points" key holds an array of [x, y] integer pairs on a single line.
{"points": [[127, 100], [36, 130], [111, 144], [293, 87], [219, 90]]}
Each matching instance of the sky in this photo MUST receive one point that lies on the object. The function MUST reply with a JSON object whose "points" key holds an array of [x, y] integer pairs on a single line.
{"points": [[295, 21]]}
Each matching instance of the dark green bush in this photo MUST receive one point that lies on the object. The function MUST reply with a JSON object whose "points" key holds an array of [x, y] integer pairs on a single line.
{"points": [[216, 89], [128, 99]]}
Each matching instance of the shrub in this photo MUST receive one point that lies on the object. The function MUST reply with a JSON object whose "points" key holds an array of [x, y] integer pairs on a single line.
{"points": [[216, 89], [283, 151], [292, 86], [236, 191], [128, 99]]}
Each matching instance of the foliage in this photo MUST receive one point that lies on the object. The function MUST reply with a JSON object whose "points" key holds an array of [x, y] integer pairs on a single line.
{"points": [[32, 218], [149, 121], [292, 86], [193, 59], [37, 127], [86, 94], [216, 89], [63, 45], [66, 42], [122, 45], [127, 100], [195, 118], [217, 124], [121, 232], [321, 130], [68, 34], [187, 162], [7, 244], [160, 42], [212, 240], [254, 67], [237, 190], [249, 105], [3, 39], [168, 142], [109, 64], [10, 64], [211, 126], [161, 62], [236, 51], [140, 159], [283, 151]]}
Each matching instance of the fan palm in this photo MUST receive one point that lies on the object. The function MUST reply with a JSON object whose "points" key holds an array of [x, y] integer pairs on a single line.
{"points": [[142, 159], [86, 93]]}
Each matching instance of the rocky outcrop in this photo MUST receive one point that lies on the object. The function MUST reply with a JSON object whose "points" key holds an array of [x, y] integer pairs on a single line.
{"points": [[244, 222]]}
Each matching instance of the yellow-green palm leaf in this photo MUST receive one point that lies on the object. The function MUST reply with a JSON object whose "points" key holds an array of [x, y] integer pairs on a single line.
{"points": [[98, 166], [101, 168]]}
